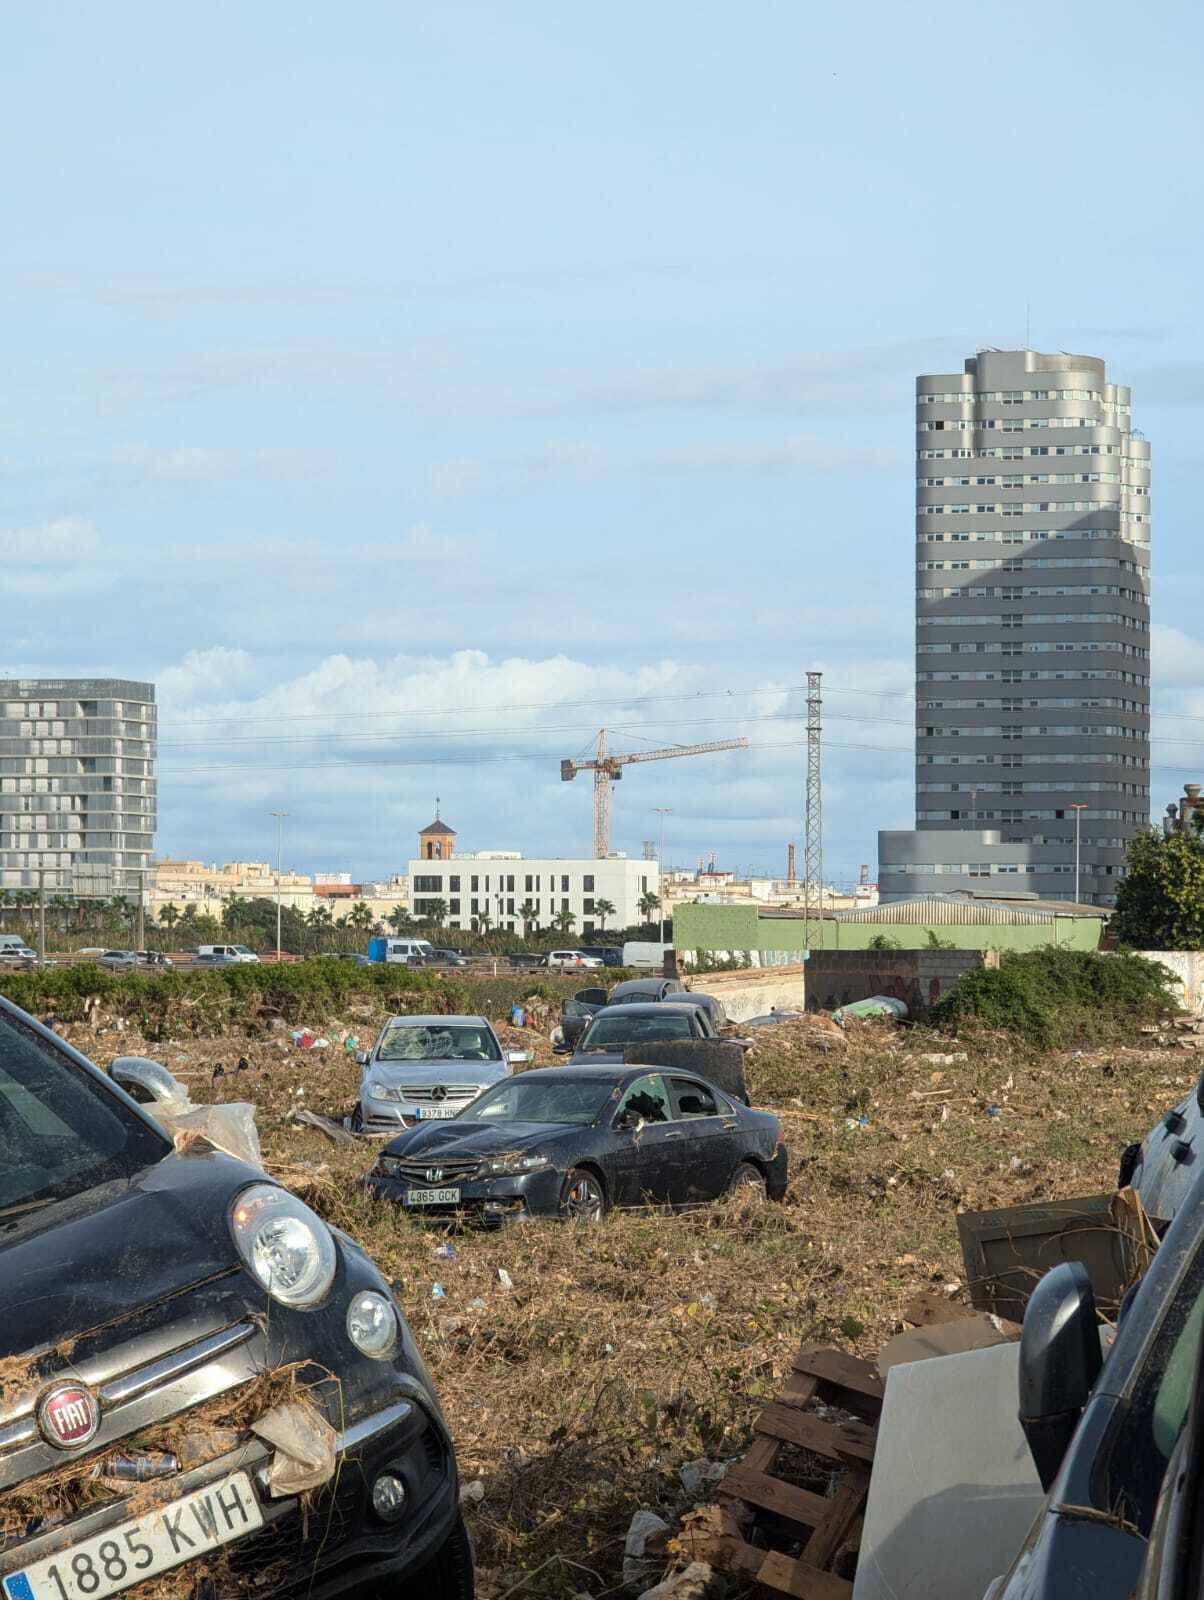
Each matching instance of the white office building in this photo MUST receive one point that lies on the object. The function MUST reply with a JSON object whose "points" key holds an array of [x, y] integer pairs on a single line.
{"points": [[514, 891]]}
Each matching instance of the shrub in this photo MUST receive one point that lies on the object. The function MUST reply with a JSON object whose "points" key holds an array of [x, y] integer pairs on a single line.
{"points": [[1054, 998]]}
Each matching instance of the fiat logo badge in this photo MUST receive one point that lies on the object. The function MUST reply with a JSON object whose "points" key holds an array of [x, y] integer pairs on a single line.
{"points": [[68, 1416]]}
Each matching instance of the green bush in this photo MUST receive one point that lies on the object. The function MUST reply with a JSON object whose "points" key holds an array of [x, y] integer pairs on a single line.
{"points": [[1055, 998], [198, 1002]]}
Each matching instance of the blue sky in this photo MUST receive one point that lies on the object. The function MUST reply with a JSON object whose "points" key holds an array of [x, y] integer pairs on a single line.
{"points": [[411, 390]]}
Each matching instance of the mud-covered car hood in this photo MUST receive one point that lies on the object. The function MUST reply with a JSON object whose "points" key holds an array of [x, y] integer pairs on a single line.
{"points": [[102, 1255], [477, 1138], [399, 1073]]}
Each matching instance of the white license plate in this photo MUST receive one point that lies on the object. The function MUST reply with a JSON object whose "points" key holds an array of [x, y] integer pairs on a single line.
{"points": [[432, 1197], [435, 1113], [132, 1551]]}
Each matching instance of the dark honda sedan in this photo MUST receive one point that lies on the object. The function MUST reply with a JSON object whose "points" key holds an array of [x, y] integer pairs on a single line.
{"points": [[553, 1143], [140, 1283]]}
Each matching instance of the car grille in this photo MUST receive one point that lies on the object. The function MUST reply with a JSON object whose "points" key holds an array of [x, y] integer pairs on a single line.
{"points": [[426, 1094], [452, 1168]]}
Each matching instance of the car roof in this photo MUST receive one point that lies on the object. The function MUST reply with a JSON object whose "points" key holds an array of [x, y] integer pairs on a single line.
{"points": [[637, 1008], [618, 1073], [438, 1021], [687, 997]]}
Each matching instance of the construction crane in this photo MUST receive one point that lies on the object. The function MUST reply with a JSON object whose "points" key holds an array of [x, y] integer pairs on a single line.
{"points": [[608, 768]]}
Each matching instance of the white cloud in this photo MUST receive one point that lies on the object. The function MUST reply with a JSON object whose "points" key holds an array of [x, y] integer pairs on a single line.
{"points": [[185, 464], [1176, 659], [202, 673], [52, 559], [49, 543]]}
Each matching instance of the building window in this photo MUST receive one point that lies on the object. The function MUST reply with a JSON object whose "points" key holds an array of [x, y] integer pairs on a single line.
{"points": [[589, 886], [454, 884], [475, 885], [475, 907], [528, 883], [588, 907], [427, 885], [510, 883], [564, 887], [454, 908]]}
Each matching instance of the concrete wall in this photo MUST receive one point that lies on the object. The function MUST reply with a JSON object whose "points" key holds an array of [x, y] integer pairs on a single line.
{"points": [[918, 977], [769, 941], [753, 993], [1188, 969]]}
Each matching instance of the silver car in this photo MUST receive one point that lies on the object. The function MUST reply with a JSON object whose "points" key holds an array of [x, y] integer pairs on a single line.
{"points": [[426, 1069]]}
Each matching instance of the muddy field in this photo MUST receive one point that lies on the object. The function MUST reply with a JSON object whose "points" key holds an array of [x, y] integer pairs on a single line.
{"points": [[625, 1351]]}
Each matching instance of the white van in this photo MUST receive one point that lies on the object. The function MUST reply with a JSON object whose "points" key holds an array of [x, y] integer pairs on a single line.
{"points": [[645, 955], [405, 950], [235, 952], [14, 948]]}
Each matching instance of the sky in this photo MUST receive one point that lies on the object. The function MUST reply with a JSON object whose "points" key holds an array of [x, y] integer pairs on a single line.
{"points": [[411, 390]]}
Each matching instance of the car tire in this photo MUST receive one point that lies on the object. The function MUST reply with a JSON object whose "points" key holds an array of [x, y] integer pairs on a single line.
{"points": [[357, 1118], [448, 1576], [749, 1178], [719, 1061], [582, 1196]]}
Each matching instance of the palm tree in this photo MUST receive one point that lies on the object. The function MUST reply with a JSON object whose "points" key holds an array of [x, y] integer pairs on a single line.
{"points": [[529, 914], [563, 922], [436, 912], [235, 911], [602, 910], [649, 901], [360, 917], [483, 921], [169, 916], [400, 920]]}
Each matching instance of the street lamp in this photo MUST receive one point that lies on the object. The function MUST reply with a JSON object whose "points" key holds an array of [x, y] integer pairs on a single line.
{"points": [[279, 816], [662, 812], [1078, 807]]}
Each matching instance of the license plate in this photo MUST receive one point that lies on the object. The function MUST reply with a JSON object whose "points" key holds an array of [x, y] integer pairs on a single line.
{"points": [[432, 1197], [153, 1543], [434, 1113]]}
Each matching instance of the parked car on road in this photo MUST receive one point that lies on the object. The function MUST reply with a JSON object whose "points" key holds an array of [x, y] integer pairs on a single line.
{"points": [[610, 955], [449, 958], [152, 958], [426, 1069], [400, 952], [13, 948], [552, 1143], [119, 958], [238, 952], [615, 1028], [216, 959], [570, 960], [141, 1282]]}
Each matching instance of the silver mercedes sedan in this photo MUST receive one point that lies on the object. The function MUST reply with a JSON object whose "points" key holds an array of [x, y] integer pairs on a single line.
{"points": [[427, 1069]]}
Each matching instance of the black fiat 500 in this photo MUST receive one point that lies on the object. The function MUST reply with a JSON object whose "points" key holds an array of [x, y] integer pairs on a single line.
{"points": [[143, 1286]]}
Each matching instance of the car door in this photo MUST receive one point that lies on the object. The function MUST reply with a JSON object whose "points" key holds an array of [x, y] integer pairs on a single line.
{"points": [[710, 1144], [647, 1159]]}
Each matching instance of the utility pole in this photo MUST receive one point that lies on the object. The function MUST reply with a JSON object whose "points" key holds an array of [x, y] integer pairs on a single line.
{"points": [[279, 816], [1078, 808], [41, 916], [662, 812], [813, 820]]}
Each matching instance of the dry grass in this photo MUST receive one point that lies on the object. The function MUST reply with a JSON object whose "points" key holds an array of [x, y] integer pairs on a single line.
{"points": [[627, 1349]]}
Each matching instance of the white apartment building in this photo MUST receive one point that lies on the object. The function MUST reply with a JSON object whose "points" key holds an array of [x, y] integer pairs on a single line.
{"points": [[500, 883]]}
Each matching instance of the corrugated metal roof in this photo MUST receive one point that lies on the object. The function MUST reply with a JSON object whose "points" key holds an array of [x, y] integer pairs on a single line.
{"points": [[951, 910]]}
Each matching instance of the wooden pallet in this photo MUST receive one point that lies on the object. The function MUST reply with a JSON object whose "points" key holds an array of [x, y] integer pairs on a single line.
{"points": [[825, 1525]]}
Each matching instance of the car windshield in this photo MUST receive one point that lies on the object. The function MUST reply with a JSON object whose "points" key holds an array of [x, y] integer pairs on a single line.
{"points": [[605, 1032], [568, 1099], [60, 1132], [451, 1041]]}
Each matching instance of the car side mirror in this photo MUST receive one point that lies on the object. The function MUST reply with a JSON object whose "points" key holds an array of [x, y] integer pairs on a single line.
{"points": [[362, 1058], [518, 1058], [572, 1028], [562, 1048], [1060, 1360], [148, 1082]]}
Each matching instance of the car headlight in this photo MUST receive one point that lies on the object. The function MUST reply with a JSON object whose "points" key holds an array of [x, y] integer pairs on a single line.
{"points": [[382, 1091], [284, 1244], [372, 1325], [514, 1163], [388, 1165]]}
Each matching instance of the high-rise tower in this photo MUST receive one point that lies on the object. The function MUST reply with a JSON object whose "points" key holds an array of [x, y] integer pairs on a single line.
{"points": [[1032, 630]]}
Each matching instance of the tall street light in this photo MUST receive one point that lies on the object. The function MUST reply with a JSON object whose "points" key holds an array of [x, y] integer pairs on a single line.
{"points": [[662, 812], [1078, 807], [279, 816]]}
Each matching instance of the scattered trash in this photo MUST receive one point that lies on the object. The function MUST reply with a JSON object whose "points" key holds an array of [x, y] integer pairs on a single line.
{"points": [[444, 1252], [518, 1017], [504, 1278], [477, 1304], [471, 1494], [647, 1536], [698, 1476], [857, 1122], [878, 1005], [698, 1581], [141, 1467], [994, 1111], [320, 1044], [334, 1131], [438, 1292], [302, 1038], [304, 1443], [195, 1129], [351, 1043], [936, 1059]]}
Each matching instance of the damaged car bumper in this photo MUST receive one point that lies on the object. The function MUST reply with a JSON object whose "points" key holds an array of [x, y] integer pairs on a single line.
{"points": [[487, 1201]]}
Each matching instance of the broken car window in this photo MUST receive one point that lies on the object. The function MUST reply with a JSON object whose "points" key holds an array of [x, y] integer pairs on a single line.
{"points": [[692, 1099], [605, 1032], [646, 1098], [576, 1100], [424, 1042]]}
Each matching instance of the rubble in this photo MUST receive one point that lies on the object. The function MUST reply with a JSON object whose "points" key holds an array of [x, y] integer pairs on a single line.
{"points": [[696, 1582], [647, 1537]]}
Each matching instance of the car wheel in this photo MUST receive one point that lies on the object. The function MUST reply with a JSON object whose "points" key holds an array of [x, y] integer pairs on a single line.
{"points": [[748, 1181], [582, 1199], [357, 1118], [447, 1577]]}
